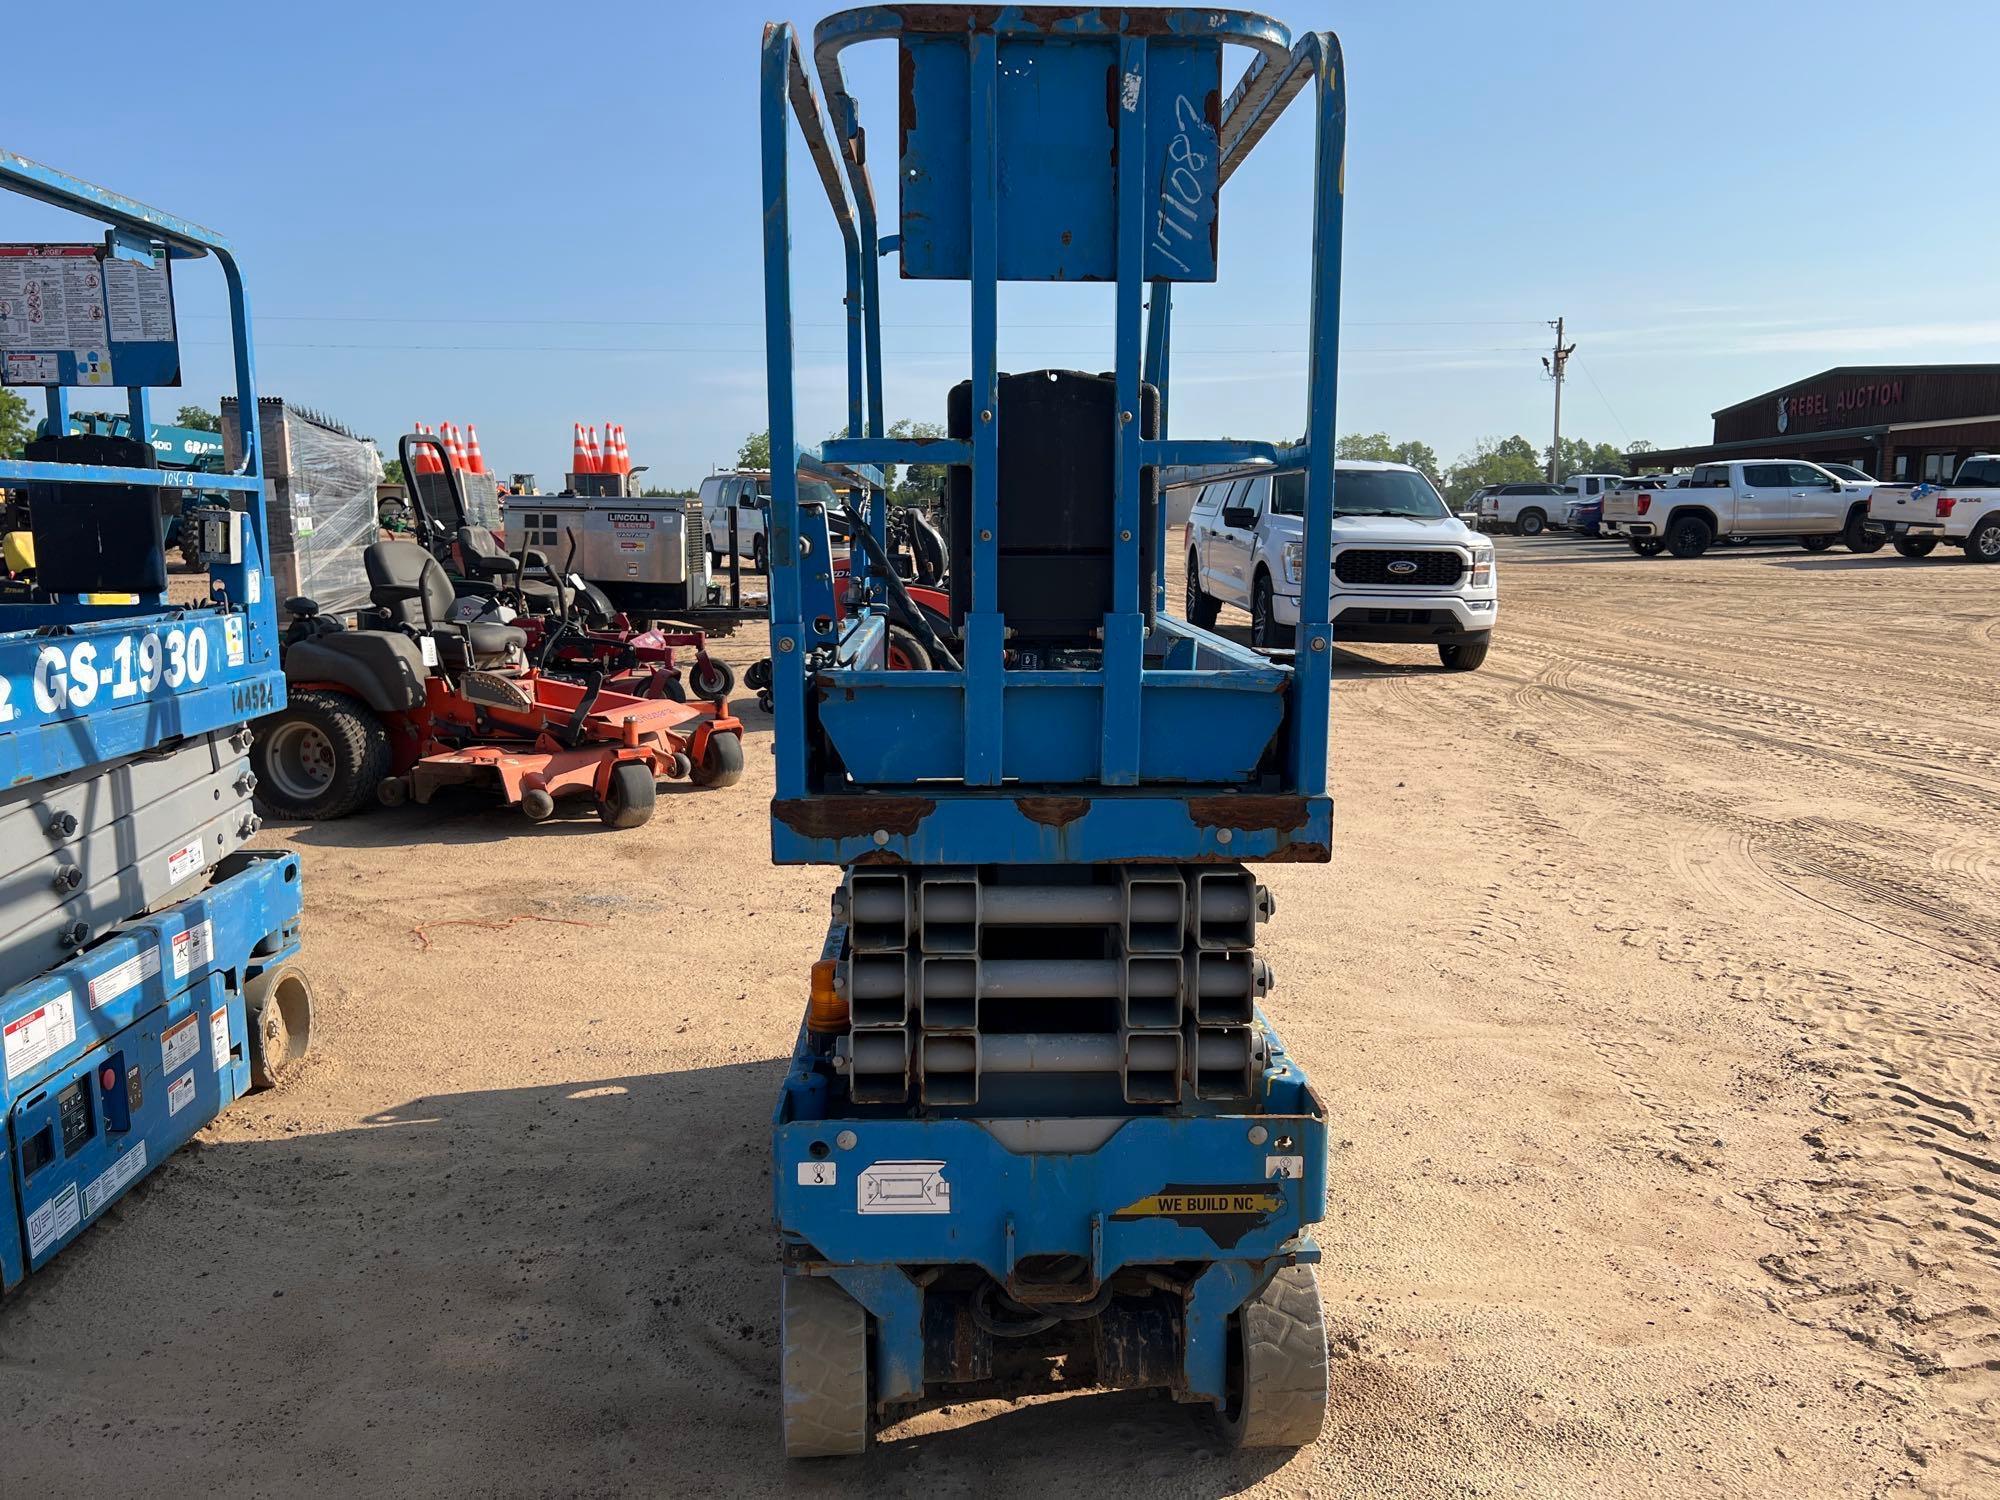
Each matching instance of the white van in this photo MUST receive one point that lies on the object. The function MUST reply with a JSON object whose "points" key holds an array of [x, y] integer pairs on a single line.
{"points": [[1404, 567], [747, 492]]}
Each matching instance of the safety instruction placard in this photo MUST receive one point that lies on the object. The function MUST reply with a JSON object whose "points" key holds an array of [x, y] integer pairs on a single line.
{"points": [[114, 1179], [76, 315], [179, 1043], [32, 1039], [193, 948], [53, 1220], [120, 978]]}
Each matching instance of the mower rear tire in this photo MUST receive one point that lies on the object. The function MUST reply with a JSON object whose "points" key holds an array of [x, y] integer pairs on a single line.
{"points": [[721, 763], [319, 757], [710, 678], [628, 800]]}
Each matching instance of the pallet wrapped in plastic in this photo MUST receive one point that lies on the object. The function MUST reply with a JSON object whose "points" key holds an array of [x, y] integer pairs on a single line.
{"points": [[322, 508]]}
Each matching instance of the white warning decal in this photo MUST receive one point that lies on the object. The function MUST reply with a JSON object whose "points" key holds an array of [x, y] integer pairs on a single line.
{"points": [[1291, 1168], [193, 948], [179, 1043], [180, 1094], [116, 980], [818, 1174], [53, 1220], [32, 1039], [114, 1179], [185, 860], [902, 1187], [218, 1037]]}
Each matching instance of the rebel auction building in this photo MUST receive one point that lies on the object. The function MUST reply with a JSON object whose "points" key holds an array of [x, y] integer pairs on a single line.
{"points": [[1901, 423]]}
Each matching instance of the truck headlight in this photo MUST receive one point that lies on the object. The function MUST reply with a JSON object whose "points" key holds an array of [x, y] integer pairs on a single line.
{"points": [[1482, 567], [1295, 561]]}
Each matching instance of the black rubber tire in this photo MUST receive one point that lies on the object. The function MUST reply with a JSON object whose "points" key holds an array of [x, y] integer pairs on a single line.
{"points": [[355, 738], [1531, 522], [278, 1015], [906, 652], [1689, 536], [1201, 610], [1266, 634], [719, 681], [1817, 543], [1464, 656], [823, 1369], [1855, 535], [1916, 546], [1647, 546], [721, 764], [1983, 546], [628, 800], [758, 562], [1277, 1365]]}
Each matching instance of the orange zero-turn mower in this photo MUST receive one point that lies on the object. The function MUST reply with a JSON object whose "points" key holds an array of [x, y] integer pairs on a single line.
{"points": [[407, 701]]}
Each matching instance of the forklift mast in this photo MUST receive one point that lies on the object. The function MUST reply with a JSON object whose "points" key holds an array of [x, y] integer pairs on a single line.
{"points": [[1036, 1107]]}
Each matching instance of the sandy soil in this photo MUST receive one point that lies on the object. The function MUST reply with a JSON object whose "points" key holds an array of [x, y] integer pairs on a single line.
{"points": [[1652, 992]]}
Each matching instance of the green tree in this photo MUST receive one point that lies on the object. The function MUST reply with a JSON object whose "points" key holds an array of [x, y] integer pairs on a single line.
{"points": [[392, 471], [1511, 460], [15, 425], [1377, 447], [755, 453], [198, 416], [919, 483], [1581, 457]]}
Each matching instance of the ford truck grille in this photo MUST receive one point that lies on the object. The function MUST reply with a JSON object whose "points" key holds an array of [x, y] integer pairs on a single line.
{"points": [[1399, 567]]}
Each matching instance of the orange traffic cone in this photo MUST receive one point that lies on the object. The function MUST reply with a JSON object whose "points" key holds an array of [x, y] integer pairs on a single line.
{"points": [[596, 453], [454, 447], [624, 453], [424, 454], [475, 461], [611, 448], [579, 453]]}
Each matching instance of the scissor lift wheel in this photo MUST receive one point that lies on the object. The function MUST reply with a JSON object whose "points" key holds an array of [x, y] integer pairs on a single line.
{"points": [[825, 1371], [278, 1012], [1277, 1365]]}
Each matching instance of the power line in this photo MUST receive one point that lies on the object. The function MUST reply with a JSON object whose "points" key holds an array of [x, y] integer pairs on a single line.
{"points": [[265, 317], [758, 349], [1607, 402]]}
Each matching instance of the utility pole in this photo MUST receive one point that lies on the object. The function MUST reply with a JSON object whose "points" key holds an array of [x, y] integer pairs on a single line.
{"points": [[1556, 365]]}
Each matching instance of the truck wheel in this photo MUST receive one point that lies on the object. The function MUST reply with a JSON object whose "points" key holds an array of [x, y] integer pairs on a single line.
{"points": [[758, 564], [1983, 546], [721, 764], [824, 1369], [1531, 523], [1817, 543], [1689, 536], [1856, 536], [1916, 546], [278, 1014], [1464, 656], [628, 800], [711, 678], [319, 757], [1201, 610], [1276, 1396], [1647, 546], [1266, 634]]}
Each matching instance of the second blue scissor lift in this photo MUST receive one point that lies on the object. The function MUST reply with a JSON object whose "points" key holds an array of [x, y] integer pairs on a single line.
{"points": [[1036, 1111]]}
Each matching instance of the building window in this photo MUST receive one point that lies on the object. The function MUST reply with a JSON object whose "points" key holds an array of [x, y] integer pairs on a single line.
{"points": [[1902, 468]]}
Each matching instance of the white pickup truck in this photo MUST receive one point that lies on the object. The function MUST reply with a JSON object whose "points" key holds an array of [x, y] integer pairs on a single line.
{"points": [[1754, 499], [1965, 513]]}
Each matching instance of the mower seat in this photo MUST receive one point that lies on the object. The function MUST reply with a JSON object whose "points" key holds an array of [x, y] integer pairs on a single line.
{"points": [[485, 558], [406, 584]]}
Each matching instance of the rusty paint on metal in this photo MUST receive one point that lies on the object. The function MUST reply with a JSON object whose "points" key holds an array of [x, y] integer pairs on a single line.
{"points": [[851, 817], [1052, 812], [1278, 814]]}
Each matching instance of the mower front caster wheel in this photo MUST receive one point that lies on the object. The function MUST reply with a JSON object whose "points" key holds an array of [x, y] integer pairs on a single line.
{"points": [[628, 800], [824, 1367], [1277, 1365], [537, 803], [711, 679], [721, 763]]}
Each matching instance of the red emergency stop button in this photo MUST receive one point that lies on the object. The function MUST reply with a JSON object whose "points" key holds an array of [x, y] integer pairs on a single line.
{"points": [[109, 1078]]}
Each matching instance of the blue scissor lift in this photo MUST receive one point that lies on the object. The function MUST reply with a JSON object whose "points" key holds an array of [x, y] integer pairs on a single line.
{"points": [[1036, 1108], [144, 982]]}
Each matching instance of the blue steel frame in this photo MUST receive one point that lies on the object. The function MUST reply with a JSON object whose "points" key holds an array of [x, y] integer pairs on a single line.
{"points": [[68, 697], [945, 743], [189, 962], [1014, 742]]}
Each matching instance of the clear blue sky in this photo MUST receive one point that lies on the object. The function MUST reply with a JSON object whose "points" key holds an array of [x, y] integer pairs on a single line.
{"points": [[526, 215]]}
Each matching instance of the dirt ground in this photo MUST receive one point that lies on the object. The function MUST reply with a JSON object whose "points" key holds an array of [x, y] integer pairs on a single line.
{"points": [[1652, 993]]}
